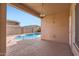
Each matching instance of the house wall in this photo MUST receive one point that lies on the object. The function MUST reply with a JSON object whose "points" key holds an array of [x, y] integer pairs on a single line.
{"points": [[2, 29], [72, 31], [55, 27]]}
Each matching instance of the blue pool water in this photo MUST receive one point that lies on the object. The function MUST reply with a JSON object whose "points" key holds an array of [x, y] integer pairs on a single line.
{"points": [[28, 36]]}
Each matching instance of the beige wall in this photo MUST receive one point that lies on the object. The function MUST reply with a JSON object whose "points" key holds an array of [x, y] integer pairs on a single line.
{"points": [[13, 29], [16, 29], [30, 29], [55, 27], [2, 29], [10, 22], [27, 30], [72, 31]]}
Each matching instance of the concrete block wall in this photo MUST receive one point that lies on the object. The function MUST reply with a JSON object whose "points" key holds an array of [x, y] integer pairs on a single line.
{"points": [[13, 29], [16, 29]]}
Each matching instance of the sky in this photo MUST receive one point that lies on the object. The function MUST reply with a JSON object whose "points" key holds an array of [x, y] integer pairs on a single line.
{"points": [[22, 17]]}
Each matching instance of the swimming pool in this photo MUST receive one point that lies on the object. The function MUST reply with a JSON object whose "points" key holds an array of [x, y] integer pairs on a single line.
{"points": [[28, 36]]}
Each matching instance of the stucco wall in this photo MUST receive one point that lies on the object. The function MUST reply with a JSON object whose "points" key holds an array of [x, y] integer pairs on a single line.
{"points": [[55, 27]]}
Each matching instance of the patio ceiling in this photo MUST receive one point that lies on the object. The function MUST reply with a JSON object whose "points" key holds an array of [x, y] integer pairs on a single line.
{"points": [[25, 8], [49, 8]]}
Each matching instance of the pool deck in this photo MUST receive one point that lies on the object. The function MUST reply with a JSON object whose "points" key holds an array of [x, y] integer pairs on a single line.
{"points": [[36, 47], [11, 40]]}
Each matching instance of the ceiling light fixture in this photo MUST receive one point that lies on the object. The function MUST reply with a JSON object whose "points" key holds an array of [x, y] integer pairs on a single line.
{"points": [[42, 15]]}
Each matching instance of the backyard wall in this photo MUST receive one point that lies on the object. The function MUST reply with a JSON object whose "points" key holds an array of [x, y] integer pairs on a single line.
{"points": [[30, 28], [27, 30], [55, 27], [13, 29]]}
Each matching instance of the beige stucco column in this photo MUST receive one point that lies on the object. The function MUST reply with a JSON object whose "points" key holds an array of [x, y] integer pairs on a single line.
{"points": [[2, 29]]}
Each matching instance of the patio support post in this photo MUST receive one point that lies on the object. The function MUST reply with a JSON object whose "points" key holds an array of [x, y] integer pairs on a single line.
{"points": [[2, 29]]}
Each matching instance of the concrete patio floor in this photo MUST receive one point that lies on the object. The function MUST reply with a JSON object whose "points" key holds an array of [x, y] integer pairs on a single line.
{"points": [[38, 48]]}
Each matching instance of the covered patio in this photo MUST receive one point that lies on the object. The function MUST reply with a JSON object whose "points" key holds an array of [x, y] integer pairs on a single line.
{"points": [[55, 40]]}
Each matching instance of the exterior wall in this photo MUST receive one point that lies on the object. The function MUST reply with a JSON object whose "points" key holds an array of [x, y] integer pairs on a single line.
{"points": [[2, 29], [72, 31], [55, 27]]}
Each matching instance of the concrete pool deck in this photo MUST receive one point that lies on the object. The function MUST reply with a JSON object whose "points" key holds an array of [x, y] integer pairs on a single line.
{"points": [[10, 40], [37, 48]]}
